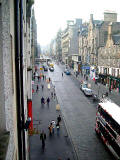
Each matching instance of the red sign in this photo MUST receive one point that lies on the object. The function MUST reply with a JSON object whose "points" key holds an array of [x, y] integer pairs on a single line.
{"points": [[30, 113]]}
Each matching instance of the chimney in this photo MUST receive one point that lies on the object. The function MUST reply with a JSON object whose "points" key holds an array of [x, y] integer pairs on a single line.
{"points": [[109, 31], [91, 17]]}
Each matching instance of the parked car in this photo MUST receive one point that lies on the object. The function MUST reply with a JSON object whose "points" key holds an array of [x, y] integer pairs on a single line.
{"points": [[68, 72], [83, 85], [51, 69], [65, 70], [45, 68], [88, 92]]}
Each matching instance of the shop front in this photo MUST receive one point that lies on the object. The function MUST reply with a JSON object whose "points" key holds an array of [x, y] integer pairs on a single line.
{"points": [[114, 83], [104, 79]]}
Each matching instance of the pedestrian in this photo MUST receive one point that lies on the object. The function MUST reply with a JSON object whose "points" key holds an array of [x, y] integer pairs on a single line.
{"points": [[62, 74], [42, 87], [109, 89], [48, 101], [106, 94], [43, 77], [58, 128], [38, 78], [43, 138], [49, 79], [42, 100], [50, 129], [37, 88], [34, 76], [53, 123], [52, 94], [59, 119]]}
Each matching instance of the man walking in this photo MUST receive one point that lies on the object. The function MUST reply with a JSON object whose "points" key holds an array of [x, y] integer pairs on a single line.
{"points": [[42, 87], [59, 119], [48, 101], [37, 88], [42, 100], [43, 138]]}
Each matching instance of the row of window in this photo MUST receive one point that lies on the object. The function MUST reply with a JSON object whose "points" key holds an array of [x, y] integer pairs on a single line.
{"points": [[111, 71], [109, 119], [110, 140]]}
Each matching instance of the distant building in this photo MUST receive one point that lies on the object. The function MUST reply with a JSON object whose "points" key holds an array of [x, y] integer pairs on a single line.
{"points": [[70, 43], [59, 45]]}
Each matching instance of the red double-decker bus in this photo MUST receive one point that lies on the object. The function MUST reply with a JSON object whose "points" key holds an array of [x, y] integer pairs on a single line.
{"points": [[108, 125]]}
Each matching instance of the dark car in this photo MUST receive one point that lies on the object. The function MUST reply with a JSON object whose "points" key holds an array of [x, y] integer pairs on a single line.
{"points": [[45, 68], [68, 72], [51, 69]]}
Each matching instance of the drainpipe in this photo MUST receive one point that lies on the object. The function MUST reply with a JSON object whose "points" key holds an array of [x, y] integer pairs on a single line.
{"points": [[18, 79], [21, 75]]}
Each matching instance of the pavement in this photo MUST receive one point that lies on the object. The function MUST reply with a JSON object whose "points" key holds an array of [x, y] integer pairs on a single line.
{"points": [[57, 147]]}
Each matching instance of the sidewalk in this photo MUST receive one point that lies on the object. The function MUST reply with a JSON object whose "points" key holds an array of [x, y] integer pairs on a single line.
{"points": [[56, 146], [100, 89]]}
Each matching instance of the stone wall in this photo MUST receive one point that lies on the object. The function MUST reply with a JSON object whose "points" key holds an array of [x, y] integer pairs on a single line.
{"points": [[109, 57], [7, 93]]}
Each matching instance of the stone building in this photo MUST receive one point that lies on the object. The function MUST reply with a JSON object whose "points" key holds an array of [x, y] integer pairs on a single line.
{"points": [[14, 51], [66, 36], [59, 46], [33, 27], [109, 58], [83, 67], [97, 36], [70, 43]]}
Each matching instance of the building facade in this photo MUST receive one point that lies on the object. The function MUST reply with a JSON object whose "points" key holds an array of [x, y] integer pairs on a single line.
{"points": [[14, 51], [109, 59]]}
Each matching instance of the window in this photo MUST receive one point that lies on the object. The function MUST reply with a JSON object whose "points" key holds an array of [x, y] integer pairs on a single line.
{"points": [[11, 41]]}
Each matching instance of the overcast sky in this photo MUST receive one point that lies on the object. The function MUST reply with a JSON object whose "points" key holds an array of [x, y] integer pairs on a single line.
{"points": [[53, 14]]}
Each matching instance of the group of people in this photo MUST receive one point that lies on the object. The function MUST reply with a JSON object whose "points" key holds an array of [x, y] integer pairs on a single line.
{"points": [[54, 125], [51, 128], [43, 101]]}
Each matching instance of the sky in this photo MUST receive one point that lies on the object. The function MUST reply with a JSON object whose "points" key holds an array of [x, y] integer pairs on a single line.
{"points": [[51, 15]]}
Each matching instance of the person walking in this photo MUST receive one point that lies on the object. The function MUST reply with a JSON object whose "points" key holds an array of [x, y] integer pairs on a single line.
{"points": [[43, 77], [58, 119], [42, 100], [62, 74], [48, 101], [42, 87], [54, 125], [50, 129], [58, 128], [52, 94], [37, 88], [43, 138], [38, 78], [109, 89]]}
